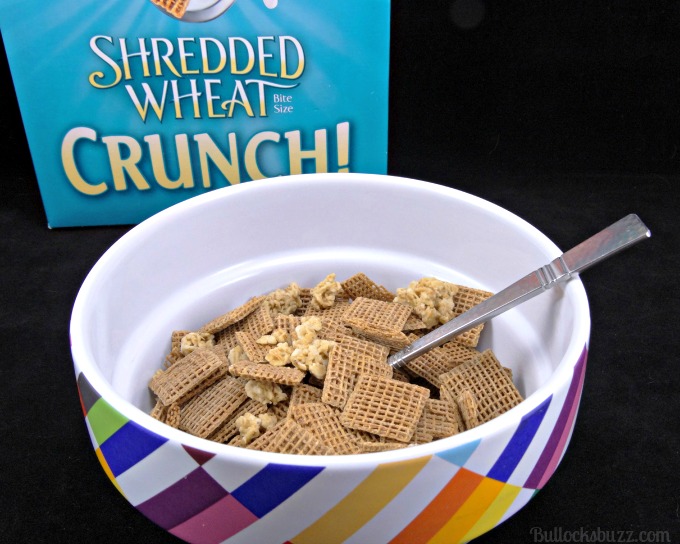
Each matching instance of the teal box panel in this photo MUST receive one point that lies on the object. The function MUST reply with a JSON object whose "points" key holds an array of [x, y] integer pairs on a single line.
{"points": [[129, 109]]}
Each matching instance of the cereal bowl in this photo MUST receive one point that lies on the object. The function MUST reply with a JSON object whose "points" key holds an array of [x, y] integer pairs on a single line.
{"points": [[200, 258]]}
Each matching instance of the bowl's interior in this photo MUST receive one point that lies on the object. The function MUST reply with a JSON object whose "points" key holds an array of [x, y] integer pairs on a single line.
{"points": [[206, 256]]}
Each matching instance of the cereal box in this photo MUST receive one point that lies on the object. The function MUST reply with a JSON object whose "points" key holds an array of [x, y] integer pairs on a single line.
{"points": [[130, 106]]}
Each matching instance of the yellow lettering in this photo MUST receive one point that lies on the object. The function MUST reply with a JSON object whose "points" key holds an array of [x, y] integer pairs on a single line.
{"points": [[120, 166], [149, 100], [165, 57], [222, 55], [233, 54], [185, 177], [262, 56], [284, 57], [143, 54], [250, 155], [184, 55], [210, 97], [296, 155], [208, 150], [239, 97], [193, 97], [96, 77], [69, 161]]}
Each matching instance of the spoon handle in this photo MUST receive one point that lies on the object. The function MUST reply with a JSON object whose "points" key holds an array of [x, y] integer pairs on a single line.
{"points": [[622, 234]]}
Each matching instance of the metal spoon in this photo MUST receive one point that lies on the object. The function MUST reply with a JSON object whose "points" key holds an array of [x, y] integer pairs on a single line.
{"points": [[621, 235]]}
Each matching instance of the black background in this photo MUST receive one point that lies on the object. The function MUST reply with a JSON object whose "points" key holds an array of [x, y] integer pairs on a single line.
{"points": [[565, 113]]}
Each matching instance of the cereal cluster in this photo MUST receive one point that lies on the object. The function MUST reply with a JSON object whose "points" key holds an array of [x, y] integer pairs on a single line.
{"points": [[173, 7], [304, 370]]}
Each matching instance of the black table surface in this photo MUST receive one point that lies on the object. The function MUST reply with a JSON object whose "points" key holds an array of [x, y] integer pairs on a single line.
{"points": [[567, 115]]}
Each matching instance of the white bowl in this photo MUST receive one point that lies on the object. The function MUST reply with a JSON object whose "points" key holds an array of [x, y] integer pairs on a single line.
{"points": [[200, 258]]}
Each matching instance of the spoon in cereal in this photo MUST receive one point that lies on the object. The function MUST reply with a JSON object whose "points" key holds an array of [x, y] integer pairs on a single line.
{"points": [[621, 235]]}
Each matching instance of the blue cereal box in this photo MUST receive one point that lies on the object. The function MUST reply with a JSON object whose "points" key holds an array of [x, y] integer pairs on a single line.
{"points": [[130, 106]]}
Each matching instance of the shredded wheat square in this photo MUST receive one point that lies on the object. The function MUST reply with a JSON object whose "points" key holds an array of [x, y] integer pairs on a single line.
{"points": [[283, 375], [465, 299], [229, 429], [487, 380], [176, 8], [255, 352], [207, 412], [437, 361], [388, 317], [234, 316], [183, 379], [439, 419], [287, 436], [360, 285], [324, 422], [304, 393], [386, 407], [349, 358]]}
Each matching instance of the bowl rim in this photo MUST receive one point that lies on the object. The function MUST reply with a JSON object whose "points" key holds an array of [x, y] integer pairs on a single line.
{"points": [[562, 374]]}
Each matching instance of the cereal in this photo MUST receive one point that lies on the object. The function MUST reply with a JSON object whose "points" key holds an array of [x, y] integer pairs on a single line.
{"points": [[173, 7], [304, 393], [278, 336], [248, 428], [306, 331], [288, 436], [237, 354], [258, 322], [334, 329], [184, 379], [306, 299], [159, 411], [430, 365], [414, 323], [465, 299], [173, 416], [467, 403], [251, 426], [280, 409], [373, 447], [485, 378], [439, 419], [234, 316], [175, 345], [305, 371], [379, 321], [432, 300], [284, 301], [386, 407], [229, 429], [324, 422], [264, 391], [349, 359], [313, 357], [287, 323], [334, 312], [360, 285], [194, 340], [207, 412], [279, 355], [323, 294], [282, 375], [253, 350]]}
